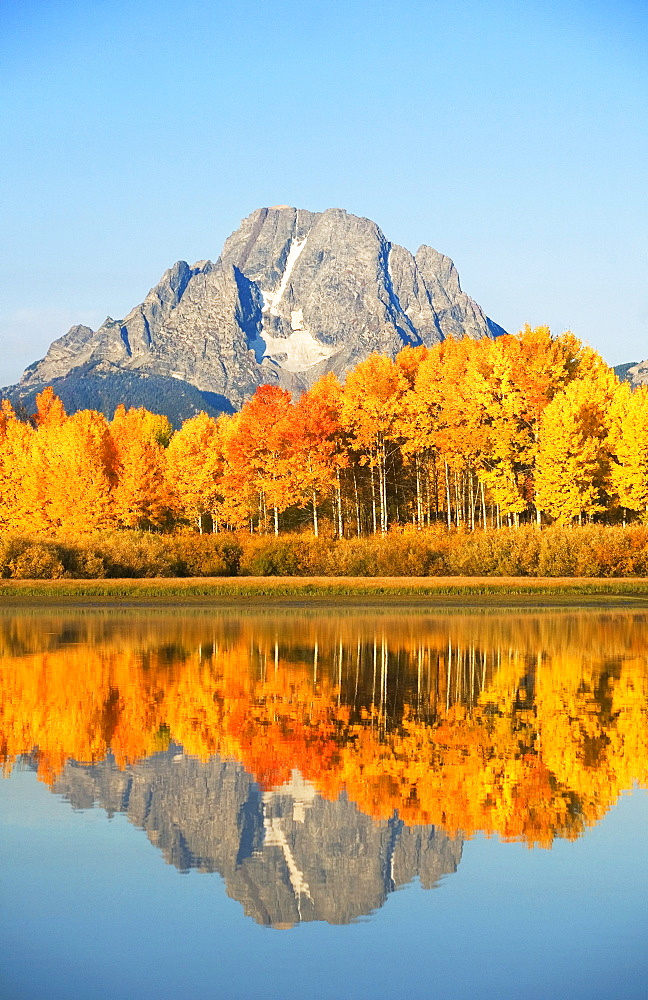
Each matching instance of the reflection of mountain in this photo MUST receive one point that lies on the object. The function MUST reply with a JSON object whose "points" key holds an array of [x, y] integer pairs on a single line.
{"points": [[286, 855]]}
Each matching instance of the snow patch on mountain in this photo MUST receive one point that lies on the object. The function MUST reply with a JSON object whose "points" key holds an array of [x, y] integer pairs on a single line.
{"points": [[272, 299], [296, 353]]}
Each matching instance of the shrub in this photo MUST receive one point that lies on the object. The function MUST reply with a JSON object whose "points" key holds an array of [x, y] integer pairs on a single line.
{"points": [[495, 553], [590, 550], [298, 554], [37, 562], [271, 557], [206, 555], [399, 553], [11, 546], [134, 554]]}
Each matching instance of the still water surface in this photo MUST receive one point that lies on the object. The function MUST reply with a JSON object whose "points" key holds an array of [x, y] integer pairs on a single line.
{"points": [[215, 803]]}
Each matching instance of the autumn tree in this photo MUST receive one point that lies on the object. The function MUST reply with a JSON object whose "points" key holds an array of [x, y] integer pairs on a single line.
{"points": [[440, 426], [194, 466], [79, 471], [371, 405], [140, 495], [573, 457], [258, 452], [22, 488], [314, 453], [629, 448], [50, 411]]}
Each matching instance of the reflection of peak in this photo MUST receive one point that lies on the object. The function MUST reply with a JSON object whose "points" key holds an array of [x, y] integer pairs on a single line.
{"points": [[299, 789], [287, 855]]}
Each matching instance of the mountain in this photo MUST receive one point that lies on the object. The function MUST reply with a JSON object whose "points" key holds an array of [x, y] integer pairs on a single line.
{"points": [[287, 855], [635, 372], [293, 295]]}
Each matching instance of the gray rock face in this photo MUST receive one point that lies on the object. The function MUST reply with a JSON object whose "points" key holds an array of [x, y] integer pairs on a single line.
{"points": [[636, 373], [294, 294], [287, 855]]}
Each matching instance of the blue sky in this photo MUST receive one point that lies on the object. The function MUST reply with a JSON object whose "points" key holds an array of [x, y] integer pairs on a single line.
{"points": [[510, 135]]}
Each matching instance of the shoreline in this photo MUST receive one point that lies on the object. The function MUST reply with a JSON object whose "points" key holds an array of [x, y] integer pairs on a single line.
{"points": [[425, 591]]}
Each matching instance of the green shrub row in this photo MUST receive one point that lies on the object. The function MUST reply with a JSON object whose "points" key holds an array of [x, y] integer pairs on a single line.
{"points": [[117, 555], [593, 550]]}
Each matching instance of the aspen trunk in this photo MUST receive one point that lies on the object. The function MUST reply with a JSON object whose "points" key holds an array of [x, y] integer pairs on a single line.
{"points": [[471, 500], [373, 499], [315, 532], [339, 500], [382, 489], [357, 503]]}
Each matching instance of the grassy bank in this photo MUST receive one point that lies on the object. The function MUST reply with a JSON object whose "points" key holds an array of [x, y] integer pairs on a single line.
{"points": [[568, 589]]}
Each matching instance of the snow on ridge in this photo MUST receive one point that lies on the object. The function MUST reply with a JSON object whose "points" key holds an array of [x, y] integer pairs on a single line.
{"points": [[295, 353], [300, 350], [272, 299]]}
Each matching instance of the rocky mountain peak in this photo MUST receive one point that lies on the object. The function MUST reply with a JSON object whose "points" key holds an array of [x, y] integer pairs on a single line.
{"points": [[293, 295]]}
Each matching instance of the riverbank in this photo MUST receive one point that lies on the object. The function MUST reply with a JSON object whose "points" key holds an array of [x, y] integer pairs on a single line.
{"points": [[441, 590]]}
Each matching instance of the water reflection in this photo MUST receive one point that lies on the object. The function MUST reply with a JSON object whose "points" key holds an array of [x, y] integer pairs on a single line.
{"points": [[318, 761], [286, 854]]}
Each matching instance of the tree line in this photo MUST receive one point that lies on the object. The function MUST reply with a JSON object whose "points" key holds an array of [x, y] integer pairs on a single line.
{"points": [[487, 433]]}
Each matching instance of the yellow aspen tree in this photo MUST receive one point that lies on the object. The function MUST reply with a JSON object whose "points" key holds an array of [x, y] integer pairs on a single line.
{"points": [[515, 378], [371, 404], [194, 463], [141, 497], [80, 472], [416, 427], [629, 448], [451, 421], [409, 360], [496, 392], [573, 459], [50, 411], [21, 483], [140, 424]]}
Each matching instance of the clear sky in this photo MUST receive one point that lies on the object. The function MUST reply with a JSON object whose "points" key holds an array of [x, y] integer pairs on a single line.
{"points": [[510, 134]]}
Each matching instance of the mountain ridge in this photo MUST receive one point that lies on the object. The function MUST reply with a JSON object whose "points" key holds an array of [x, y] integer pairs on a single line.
{"points": [[634, 372], [293, 295]]}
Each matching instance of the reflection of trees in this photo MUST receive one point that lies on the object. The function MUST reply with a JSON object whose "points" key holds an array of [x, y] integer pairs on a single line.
{"points": [[526, 726]]}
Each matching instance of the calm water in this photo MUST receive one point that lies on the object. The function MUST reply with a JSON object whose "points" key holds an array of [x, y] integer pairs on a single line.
{"points": [[222, 804]]}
